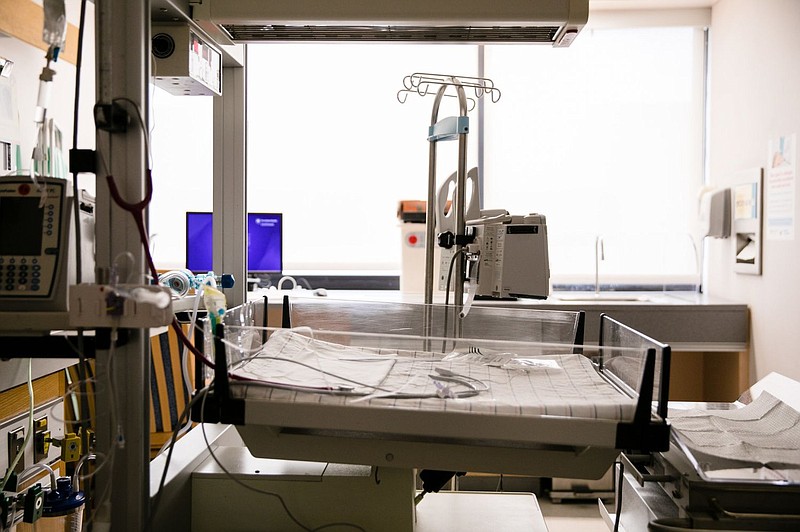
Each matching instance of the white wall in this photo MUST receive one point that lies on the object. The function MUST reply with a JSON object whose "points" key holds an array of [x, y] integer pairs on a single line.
{"points": [[755, 96], [182, 146], [28, 63]]}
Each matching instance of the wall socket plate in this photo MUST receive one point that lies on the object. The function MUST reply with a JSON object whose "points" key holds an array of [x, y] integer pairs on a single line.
{"points": [[54, 411], [16, 439]]}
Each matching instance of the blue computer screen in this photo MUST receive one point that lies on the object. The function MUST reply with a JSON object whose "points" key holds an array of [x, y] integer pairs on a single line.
{"points": [[264, 242]]}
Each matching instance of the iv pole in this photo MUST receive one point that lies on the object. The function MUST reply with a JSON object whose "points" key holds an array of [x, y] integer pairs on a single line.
{"points": [[450, 128], [460, 203]]}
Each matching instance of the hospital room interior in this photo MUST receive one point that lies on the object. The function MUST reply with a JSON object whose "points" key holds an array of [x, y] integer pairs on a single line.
{"points": [[418, 266]]}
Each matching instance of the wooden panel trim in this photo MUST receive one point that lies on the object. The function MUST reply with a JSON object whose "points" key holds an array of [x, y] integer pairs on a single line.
{"points": [[24, 20], [15, 400]]}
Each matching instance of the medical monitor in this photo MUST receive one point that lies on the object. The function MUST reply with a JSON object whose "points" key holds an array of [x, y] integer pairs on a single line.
{"points": [[264, 242]]}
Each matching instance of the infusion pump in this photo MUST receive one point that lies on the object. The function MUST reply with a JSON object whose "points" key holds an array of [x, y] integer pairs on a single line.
{"points": [[37, 250], [513, 256]]}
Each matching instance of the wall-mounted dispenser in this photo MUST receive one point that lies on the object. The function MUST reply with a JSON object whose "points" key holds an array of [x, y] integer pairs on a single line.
{"points": [[715, 213], [747, 215]]}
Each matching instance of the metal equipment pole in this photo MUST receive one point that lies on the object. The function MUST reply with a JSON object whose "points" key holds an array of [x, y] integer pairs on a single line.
{"points": [[122, 403], [461, 204], [230, 181], [430, 208]]}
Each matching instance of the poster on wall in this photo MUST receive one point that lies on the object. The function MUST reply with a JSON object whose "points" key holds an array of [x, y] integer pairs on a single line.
{"points": [[780, 187]]}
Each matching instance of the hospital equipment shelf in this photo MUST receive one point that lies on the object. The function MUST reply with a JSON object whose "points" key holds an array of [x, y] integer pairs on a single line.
{"points": [[443, 435]]}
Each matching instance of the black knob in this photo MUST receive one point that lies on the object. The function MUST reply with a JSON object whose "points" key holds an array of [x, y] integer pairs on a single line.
{"points": [[446, 240]]}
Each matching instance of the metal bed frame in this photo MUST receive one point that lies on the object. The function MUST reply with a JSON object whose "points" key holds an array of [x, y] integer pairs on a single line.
{"points": [[542, 446]]}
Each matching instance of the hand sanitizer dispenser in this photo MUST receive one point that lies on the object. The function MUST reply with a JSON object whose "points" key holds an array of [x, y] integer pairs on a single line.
{"points": [[747, 215]]}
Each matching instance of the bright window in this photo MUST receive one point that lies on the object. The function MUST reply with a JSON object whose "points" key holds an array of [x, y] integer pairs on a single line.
{"points": [[331, 147], [605, 138]]}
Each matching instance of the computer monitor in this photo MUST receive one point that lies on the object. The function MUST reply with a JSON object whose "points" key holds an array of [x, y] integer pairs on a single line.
{"points": [[264, 242]]}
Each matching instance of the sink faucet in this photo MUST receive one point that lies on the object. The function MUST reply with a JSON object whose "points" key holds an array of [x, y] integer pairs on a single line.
{"points": [[599, 254]]}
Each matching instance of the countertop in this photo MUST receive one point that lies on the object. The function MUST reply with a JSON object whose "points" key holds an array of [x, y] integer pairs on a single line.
{"points": [[687, 321]]}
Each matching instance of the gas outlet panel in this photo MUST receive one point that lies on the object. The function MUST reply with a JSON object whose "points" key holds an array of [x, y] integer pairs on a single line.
{"points": [[48, 424]]}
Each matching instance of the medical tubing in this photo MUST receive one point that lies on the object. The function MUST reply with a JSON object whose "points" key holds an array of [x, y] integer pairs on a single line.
{"points": [[76, 475], [80, 400], [447, 288], [449, 278], [106, 495], [43, 467], [185, 367], [303, 364], [100, 464], [112, 387], [444, 375], [73, 388], [192, 326], [27, 439], [473, 290], [137, 211]]}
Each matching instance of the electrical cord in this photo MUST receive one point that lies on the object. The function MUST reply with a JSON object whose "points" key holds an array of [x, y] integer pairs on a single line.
{"points": [[447, 290], [75, 116], [499, 487], [618, 509], [450, 275], [201, 396], [82, 363], [263, 492], [185, 414], [117, 442]]}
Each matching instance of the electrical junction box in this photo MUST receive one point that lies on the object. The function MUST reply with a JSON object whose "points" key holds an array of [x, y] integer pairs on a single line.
{"points": [[185, 63]]}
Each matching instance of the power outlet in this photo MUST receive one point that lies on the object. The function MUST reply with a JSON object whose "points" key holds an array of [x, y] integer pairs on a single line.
{"points": [[41, 439], [47, 418], [16, 441]]}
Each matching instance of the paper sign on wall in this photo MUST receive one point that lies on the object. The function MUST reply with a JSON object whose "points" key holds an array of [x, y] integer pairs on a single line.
{"points": [[780, 187]]}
